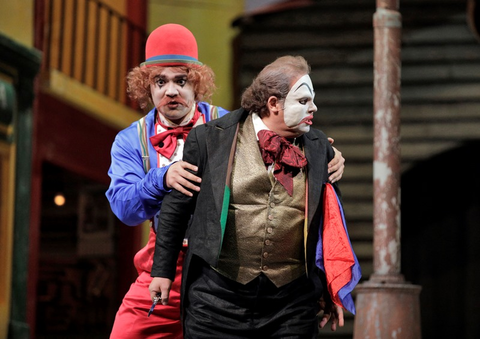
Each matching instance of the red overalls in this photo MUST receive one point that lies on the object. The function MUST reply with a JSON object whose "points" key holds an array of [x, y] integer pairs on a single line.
{"points": [[131, 320]]}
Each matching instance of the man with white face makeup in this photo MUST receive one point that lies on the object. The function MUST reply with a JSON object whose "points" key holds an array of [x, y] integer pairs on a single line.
{"points": [[300, 105], [250, 270]]}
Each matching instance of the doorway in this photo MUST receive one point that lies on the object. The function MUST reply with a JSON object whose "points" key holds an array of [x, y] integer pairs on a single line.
{"points": [[77, 278], [440, 241]]}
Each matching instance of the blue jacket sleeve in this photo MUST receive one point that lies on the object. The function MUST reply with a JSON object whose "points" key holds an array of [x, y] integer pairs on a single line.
{"points": [[133, 195], [222, 111], [211, 112]]}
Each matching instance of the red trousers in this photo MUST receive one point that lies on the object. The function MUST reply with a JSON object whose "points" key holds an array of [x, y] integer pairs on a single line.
{"points": [[131, 320]]}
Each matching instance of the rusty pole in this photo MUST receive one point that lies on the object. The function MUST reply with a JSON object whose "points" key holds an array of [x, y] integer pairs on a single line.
{"points": [[387, 306]]}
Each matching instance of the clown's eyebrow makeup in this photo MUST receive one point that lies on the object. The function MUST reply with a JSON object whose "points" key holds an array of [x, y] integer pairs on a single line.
{"points": [[308, 86], [176, 77]]}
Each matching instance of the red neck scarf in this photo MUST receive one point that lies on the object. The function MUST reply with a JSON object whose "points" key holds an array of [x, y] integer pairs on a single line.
{"points": [[288, 159], [165, 143]]}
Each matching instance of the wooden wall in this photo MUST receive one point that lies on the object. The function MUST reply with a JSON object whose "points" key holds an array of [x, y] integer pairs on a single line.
{"points": [[440, 85]]}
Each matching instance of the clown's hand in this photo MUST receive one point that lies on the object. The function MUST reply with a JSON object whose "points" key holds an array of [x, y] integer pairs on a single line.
{"points": [[330, 311], [160, 287], [179, 178], [336, 166]]}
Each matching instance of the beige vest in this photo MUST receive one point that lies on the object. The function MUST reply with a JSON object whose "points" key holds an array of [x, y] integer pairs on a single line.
{"points": [[265, 226]]}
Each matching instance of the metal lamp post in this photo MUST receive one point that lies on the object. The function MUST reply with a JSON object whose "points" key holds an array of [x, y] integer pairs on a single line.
{"points": [[387, 306]]}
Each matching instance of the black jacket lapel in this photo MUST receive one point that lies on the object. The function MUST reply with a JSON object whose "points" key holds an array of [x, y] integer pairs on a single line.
{"points": [[315, 152], [220, 134]]}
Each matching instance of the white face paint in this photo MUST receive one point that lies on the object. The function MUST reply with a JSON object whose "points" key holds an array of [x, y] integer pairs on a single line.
{"points": [[299, 107], [173, 95]]}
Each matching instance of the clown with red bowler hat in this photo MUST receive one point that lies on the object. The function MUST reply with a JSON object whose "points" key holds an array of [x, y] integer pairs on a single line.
{"points": [[147, 164]]}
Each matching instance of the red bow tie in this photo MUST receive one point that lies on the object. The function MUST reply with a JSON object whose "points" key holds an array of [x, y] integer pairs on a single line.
{"points": [[165, 143], [288, 159]]}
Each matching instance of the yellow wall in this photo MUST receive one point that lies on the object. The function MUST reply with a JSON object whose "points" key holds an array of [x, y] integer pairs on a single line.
{"points": [[210, 22], [7, 179], [16, 20]]}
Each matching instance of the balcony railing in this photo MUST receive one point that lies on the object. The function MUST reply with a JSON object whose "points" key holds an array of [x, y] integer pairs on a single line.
{"points": [[92, 43]]}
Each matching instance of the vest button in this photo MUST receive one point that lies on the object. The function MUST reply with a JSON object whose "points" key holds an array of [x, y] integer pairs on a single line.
{"points": [[272, 204], [265, 267], [267, 242], [270, 217], [269, 230], [265, 254]]}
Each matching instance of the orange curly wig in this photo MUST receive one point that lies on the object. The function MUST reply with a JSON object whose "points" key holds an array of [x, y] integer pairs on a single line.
{"points": [[139, 80]]}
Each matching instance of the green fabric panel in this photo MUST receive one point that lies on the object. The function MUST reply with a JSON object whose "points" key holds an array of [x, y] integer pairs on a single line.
{"points": [[224, 215]]}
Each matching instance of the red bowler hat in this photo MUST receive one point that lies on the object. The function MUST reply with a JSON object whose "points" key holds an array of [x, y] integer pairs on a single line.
{"points": [[171, 45]]}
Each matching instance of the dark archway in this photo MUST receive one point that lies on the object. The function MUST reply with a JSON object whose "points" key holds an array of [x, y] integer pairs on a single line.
{"points": [[78, 269], [441, 241]]}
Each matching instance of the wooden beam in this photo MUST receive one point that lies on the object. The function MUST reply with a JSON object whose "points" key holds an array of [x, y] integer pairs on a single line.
{"points": [[88, 100]]}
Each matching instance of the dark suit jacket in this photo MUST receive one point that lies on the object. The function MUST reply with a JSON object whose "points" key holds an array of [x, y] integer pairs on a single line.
{"points": [[209, 146]]}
